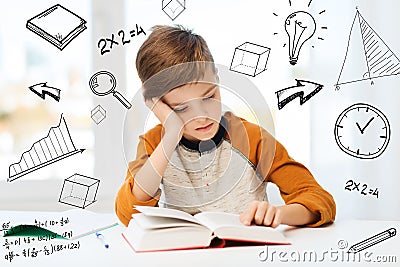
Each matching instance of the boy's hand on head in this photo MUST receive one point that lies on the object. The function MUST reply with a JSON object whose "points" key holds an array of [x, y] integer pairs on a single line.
{"points": [[173, 125], [261, 213]]}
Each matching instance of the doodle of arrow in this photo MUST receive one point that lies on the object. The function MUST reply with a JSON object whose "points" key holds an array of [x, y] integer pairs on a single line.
{"points": [[41, 89], [303, 89]]}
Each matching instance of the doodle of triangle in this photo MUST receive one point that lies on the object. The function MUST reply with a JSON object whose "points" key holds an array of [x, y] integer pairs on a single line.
{"points": [[367, 55]]}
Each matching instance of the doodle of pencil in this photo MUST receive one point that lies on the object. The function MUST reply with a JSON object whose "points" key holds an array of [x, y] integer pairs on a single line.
{"points": [[371, 241]]}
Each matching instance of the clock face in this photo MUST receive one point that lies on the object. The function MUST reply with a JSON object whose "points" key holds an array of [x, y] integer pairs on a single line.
{"points": [[362, 131]]}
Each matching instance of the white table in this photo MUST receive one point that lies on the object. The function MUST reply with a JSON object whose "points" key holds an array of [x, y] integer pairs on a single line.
{"points": [[310, 247]]}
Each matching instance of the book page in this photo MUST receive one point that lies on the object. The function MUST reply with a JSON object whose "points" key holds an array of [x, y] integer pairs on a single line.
{"points": [[228, 226], [157, 222], [166, 212], [213, 220]]}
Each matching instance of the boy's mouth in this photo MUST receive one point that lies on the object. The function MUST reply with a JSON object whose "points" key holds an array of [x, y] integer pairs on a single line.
{"points": [[205, 128]]}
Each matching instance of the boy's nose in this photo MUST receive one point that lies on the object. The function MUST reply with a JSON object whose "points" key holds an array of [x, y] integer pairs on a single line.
{"points": [[200, 110]]}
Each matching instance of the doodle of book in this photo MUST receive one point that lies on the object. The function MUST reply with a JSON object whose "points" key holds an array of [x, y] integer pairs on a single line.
{"points": [[57, 25], [56, 146]]}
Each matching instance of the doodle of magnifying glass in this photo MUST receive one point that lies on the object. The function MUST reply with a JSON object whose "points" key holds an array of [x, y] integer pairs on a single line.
{"points": [[103, 83]]}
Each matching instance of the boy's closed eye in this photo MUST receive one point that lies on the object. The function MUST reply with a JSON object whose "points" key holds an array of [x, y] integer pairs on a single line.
{"points": [[209, 97], [179, 109]]}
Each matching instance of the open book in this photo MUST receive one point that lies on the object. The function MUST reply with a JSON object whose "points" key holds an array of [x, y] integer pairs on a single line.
{"points": [[70, 224], [155, 229]]}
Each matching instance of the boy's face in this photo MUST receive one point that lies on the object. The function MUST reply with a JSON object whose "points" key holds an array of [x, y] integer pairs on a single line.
{"points": [[199, 107]]}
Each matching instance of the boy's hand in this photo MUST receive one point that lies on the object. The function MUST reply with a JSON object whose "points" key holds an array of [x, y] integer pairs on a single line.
{"points": [[169, 119], [262, 213]]}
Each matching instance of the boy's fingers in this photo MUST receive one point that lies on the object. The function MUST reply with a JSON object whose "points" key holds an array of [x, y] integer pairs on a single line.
{"points": [[269, 216], [160, 109], [260, 213], [149, 103], [247, 217], [277, 218], [155, 101]]}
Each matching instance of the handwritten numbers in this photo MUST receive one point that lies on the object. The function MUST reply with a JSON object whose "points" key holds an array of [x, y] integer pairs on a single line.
{"points": [[35, 246], [362, 189], [375, 193], [121, 38], [6, 225], [103, 43], [138, 32], [10, 256], [121, 34], [35, 249], [111, 41]]}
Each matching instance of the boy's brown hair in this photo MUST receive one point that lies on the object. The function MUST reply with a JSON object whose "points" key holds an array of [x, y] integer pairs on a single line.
{"points": [[167, 47]]}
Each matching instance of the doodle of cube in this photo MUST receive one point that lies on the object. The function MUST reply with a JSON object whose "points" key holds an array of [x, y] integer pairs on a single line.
{"points": [[79, 191], [173, 8], [98, 114], [250, 59]]}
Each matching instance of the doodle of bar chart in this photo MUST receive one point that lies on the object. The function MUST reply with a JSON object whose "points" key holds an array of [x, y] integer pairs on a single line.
{"points": [[57, 145]]}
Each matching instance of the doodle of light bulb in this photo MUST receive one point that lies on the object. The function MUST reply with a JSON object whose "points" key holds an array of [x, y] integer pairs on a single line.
{"points": [[300, 26]]}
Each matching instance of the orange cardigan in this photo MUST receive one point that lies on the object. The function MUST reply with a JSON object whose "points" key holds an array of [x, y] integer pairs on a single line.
{"points": [[269, 158]]}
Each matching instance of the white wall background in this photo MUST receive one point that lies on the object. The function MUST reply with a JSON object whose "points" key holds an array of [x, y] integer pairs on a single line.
{"points": [[306, 131]]}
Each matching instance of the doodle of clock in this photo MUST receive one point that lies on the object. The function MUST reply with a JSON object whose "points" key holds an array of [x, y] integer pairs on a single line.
{"points": [[362, 131]]}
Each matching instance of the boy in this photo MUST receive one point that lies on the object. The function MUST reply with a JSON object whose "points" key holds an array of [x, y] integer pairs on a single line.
{"points": [[204, 159]]}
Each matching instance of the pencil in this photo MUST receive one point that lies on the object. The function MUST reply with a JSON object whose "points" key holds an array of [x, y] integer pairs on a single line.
{"points": [[373, 240]]}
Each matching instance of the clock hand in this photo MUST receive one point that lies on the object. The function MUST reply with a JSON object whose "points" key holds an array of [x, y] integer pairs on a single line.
{"points": [[358, 125], [363, 129]]}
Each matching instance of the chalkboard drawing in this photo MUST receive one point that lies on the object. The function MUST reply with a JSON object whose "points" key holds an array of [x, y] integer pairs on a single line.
{"points": [[42, 89], [373, 240], [250, 59], [103, 83], [79, 191], [98, 114], [173, 8], [300, 27], [303, 89], [367, 55], [57, 25], [57, 145], [362, 131]]}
